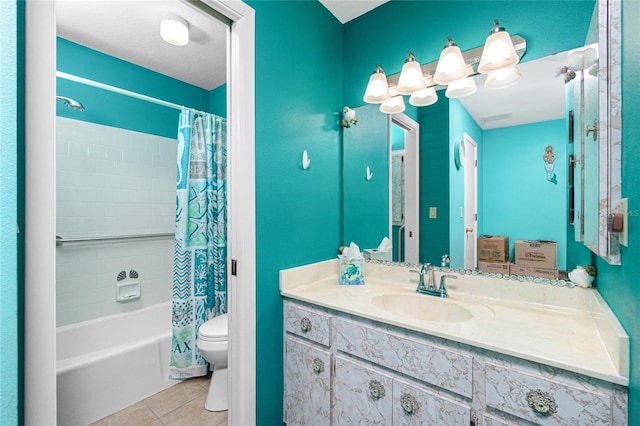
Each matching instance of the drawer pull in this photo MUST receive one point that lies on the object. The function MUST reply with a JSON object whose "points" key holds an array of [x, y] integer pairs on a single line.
{"points": [[541, 402], [409, 404], [305, 325], [376, 389], [318, 366]]}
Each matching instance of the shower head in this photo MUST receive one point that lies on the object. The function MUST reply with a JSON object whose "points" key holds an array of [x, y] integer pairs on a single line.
{"points": [[71, 103]]}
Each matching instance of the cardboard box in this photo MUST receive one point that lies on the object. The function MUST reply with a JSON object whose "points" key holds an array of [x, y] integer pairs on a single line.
{"points": [[493, 248], [543, 254], [495, 267], [534, 271]]}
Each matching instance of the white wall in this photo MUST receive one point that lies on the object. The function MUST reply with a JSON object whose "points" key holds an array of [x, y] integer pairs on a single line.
{"points": [[112, 182]]}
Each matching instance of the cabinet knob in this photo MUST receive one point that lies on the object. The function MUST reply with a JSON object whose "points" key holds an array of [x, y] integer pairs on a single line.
{"points": [[305, 325], [376, 389], [318, 365], [541, 402], [409, 404]]}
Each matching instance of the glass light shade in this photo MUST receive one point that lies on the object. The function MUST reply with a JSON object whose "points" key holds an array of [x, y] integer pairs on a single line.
{"points": [[174, 31], [503, 78], [377, 89], [411, 79], [451, 66], [424, 97], [498, 53], [461, 88], [393, 105]]}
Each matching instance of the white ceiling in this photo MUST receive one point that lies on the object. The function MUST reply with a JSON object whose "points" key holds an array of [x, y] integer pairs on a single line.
{"points": [[346, 10], [130, 30]]}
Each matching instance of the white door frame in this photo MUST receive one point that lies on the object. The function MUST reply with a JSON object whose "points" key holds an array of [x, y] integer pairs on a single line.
{"points": [[411, 186], [470, 163], [40, 207]]}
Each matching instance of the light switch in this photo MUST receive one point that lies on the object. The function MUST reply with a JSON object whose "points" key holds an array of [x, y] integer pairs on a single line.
{"points": [[433, 212]]}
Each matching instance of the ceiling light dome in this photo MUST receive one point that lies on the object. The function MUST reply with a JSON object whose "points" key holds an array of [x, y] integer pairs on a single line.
{"points": [[174, 31]]}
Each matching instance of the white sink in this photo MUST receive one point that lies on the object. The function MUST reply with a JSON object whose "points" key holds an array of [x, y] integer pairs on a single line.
{"points": [[422, 307]]}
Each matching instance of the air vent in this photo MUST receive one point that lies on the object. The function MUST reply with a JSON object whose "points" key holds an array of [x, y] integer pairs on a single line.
{"points": [[497, 117]]}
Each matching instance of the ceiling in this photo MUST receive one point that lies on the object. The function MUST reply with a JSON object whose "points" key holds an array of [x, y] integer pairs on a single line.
{"points": [[129, 29]]}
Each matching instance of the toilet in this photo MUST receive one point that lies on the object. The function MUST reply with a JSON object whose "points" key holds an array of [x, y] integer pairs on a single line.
{"points": [[212, 343]]}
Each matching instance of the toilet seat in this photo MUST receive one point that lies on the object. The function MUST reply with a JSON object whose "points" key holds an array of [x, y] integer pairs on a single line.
{"points": [[214, 330]]}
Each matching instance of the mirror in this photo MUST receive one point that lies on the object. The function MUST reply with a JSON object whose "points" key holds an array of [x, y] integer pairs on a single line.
{"points": [[512, 152]]}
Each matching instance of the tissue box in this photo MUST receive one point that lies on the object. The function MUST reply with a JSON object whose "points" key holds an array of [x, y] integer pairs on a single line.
{"points": [[351, 271], [377, 255]]}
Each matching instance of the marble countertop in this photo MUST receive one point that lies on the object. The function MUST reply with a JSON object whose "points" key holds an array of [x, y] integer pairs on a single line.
{"points": [[568, 328]]}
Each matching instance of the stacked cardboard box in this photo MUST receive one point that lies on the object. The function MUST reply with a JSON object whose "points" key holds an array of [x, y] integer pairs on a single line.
{"points": [[535, 258], [493, 254]]}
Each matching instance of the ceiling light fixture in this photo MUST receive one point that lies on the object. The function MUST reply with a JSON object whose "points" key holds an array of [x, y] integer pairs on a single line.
{"points": [[174, 31]]}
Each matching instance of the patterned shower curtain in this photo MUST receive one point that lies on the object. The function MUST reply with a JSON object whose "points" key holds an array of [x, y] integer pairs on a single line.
{"points": [[199, 273]]}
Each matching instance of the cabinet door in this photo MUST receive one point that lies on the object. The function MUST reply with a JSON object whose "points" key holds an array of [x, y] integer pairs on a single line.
{"points": [[363, 395], [307, 384], [414, 405]]}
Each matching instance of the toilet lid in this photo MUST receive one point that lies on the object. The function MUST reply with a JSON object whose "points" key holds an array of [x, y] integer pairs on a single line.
{"points": [[215, 327]]}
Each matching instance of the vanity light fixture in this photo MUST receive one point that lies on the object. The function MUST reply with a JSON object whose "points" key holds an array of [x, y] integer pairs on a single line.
{"points": [[377, 89], [463, 87], [503, 78], [393, 105], [411, 78], [498, 53], [175, 31], [451, 65]]}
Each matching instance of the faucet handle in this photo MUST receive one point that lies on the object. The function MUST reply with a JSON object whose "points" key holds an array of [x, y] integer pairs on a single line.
{"points": [[442, 289]]}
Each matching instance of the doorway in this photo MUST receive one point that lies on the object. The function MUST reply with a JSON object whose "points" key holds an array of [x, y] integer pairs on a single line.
{"points": [[40, 203], [469, 154]]}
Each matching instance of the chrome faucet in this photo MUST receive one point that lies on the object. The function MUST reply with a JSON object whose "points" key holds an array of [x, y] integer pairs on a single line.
{"points": [[429, 288]]}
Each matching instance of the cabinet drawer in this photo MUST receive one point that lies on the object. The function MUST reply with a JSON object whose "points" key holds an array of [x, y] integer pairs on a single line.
{"points": [[414, 405], [362, 395], [442, 367], [308, 323], [307, 384], [512, 391]]}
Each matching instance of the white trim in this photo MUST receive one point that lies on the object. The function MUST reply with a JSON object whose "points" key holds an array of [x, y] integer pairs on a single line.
{"points": [[242, 222], [40, 219], [40, 354]]}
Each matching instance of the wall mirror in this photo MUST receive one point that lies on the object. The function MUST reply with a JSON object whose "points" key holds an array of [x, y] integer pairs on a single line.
{"points": [[517, 196]]}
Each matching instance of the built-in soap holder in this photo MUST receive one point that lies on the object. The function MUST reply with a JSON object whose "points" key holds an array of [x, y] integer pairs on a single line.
{"points": [[127, 292]]}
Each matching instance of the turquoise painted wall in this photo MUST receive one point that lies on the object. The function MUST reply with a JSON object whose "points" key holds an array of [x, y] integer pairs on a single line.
{"points": [[218, 101], [298, 105], [366, 203], [434, 180], [518, 200], [460, 122], [9, 115], [619, 285], [112, 109]]}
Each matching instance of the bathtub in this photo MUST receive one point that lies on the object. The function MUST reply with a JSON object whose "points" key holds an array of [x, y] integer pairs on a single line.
{"points": [[107, 364]]}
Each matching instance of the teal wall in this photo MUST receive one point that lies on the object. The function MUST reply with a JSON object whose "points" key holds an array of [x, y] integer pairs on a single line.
{"points": [[298, 106], [460, 122], [434, 180], [9, 337], [512, 168], [365, 212], [112, 109], [218, 101], [619, 285]]}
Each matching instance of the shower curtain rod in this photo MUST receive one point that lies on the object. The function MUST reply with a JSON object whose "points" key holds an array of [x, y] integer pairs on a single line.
{"points": [[125, 92]]}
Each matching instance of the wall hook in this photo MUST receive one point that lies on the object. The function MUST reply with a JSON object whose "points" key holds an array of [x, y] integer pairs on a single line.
{"points": [[369, 174], [305, 160]]}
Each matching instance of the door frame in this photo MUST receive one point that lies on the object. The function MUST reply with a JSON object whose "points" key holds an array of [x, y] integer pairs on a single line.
{"points": [[470, 212], [40, 206]]}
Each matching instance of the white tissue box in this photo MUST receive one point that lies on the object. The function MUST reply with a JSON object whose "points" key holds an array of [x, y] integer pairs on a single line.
{"points": [[377, 255], [351, 271]]}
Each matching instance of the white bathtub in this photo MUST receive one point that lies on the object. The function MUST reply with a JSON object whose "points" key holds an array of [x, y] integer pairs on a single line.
{"points": [[107, 364]]}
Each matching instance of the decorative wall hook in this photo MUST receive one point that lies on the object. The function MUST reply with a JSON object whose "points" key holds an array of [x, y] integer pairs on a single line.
{"points": [[348, 117], [305, 160], [549, 158], [369, 174]]}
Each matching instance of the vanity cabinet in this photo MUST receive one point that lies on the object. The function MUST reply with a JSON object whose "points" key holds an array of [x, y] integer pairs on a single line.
{"points": [[379, 374]]}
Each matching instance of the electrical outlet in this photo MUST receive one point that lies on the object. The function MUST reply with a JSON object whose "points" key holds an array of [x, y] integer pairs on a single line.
{"points": [[433, 212]]}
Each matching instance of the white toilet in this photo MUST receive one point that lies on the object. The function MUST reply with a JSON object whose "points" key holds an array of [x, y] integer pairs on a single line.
{"points": [[212, 343]]}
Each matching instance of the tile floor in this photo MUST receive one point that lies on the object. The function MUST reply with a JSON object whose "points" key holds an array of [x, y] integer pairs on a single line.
{"points": [[180, 405]]}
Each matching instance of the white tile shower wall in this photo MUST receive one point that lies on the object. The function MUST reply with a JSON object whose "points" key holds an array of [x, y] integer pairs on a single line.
{"points": [[111, 182]]}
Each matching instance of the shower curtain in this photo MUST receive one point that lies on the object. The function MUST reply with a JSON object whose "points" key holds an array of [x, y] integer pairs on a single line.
{"points": [[199, 274]]}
